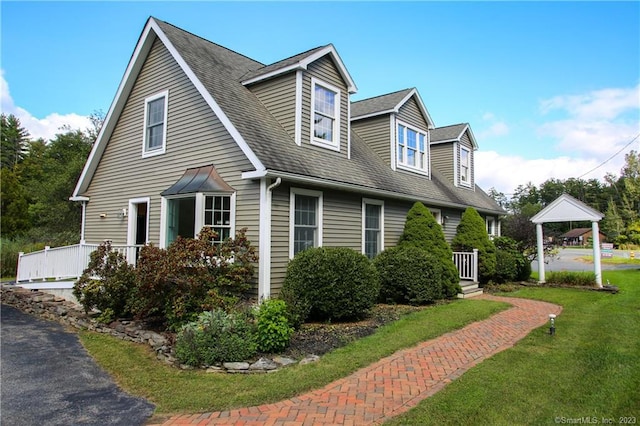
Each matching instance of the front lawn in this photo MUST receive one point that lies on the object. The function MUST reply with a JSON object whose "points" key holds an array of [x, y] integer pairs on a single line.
{"points": [[137, 371], [589, 370]]}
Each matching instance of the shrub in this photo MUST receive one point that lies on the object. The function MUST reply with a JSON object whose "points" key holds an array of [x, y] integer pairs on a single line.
{"points": [[578, 279], [192, 276], [423, 232], [330, 283], [273, 329], [471, 233], [511, 264], [216, 336], [414, 276], [107, 284]]}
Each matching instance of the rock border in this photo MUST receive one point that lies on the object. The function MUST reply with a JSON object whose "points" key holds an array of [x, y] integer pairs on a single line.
{"points": [[71, 315]]}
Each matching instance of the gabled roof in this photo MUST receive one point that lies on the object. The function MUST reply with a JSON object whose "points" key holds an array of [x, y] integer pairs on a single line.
{"points": [[565, 208], [218, 74], [300, 62], [452, 133], [388, 104], [575, 233]]}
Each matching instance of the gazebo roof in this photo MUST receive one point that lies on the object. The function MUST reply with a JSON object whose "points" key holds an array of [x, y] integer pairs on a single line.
{"points": [[566, 209]]}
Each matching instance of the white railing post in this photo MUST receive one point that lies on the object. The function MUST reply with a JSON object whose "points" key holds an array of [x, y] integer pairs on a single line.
{"points": [[45, 266], [20, 254], [475, 265]]}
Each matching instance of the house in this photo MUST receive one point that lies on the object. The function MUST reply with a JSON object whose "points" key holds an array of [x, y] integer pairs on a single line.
{"points": [[199, 135], [579, 237]]}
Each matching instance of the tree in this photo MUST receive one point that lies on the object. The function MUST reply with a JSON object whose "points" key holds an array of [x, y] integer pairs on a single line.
{"points": [[14, 140], [14, 204], [519, 227], [498, 197], [471, 233]]}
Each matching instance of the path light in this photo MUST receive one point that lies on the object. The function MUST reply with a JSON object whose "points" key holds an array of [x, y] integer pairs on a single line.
{"points": [[552, 319]]}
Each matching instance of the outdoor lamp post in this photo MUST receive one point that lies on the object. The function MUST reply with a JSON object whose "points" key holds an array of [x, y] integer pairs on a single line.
{"points": [[552, 319]]}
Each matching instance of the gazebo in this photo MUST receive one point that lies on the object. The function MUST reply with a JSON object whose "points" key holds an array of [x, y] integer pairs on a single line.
{"points": [[565, 209]]}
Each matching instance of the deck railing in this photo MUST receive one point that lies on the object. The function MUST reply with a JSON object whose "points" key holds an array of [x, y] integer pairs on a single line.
{"points": [[61, 263], [467, 264]]}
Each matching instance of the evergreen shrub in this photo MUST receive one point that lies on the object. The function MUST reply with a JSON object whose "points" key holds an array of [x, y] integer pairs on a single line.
{"points": [[272, 326], [511, 264], [412, 276], [330, 284], [471, 233]]}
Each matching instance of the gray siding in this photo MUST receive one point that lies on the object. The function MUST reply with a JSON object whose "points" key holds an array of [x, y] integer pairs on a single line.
{"points": [[279, 96], [410, 114], [195, 137], [376, 132], [325, 70], [442, 159]]}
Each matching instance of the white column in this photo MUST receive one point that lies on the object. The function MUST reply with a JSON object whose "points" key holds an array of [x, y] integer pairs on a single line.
{"points": [[541, 279], [264, 242], [597, 267], [84, 221]]}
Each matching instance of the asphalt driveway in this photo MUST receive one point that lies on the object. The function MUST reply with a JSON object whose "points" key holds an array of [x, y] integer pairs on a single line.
{"points": [[49, 379]]}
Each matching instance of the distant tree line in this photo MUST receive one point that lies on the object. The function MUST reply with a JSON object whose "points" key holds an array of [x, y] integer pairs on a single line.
{"points": [[38, 176], [617, 197]]}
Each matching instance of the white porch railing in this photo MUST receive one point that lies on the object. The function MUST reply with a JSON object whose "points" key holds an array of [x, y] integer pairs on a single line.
{"points": [[63, 262], [467, 264]]}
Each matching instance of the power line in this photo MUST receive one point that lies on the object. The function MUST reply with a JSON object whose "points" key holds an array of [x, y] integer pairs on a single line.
{"points": [[610, 158]]}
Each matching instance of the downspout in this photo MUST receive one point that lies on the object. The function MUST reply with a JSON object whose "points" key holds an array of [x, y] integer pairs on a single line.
{"points": [[84, 220], [264, 275]]}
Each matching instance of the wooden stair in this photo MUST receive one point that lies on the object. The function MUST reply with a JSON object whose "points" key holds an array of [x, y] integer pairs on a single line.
{"points": [[469, 289]]}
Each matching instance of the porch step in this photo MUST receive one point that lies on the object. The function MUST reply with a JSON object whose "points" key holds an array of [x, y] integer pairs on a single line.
{"points": [[469, 289]]}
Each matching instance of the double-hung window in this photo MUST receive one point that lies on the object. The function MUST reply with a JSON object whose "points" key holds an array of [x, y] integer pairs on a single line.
{"points": [[325, 115], [413, 148], [217, 215], [372, 227], [465, 166], [305, 220], [155, 124]]}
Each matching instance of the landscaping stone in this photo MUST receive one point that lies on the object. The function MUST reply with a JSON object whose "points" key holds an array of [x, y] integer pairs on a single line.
{"points": [[72, 315], [236, 365], [263, 364], [309, 359]]}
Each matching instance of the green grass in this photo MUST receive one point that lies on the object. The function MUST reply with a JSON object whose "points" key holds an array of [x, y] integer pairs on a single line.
{"points": [[590, 368], [613, 260], [136, 370]]}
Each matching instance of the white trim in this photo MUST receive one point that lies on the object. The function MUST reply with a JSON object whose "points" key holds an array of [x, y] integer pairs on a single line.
{"points": [[132, 219], [163, 223], [83, 224], [264, 242], [467, 183], [198, 219], [146, 152], [380, 203], [298, 112], [310, 193], [335, 143], [493, 232], [374, 114], [304, 63], [348, 128], [437, 214], [456, 165], [394, 147], [401, 165]]}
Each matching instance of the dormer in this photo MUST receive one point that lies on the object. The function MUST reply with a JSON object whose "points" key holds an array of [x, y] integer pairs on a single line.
{"points": [[452, 152], [309, 95], [397, 127]]}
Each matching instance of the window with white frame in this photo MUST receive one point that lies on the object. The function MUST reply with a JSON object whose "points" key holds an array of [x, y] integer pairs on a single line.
{"points": [[465, 166], [437, 215], [155, 124], [187, 214], [325, 115], [372, 227], [492, 229], [305, 220], [217, 215], [412, 149]]}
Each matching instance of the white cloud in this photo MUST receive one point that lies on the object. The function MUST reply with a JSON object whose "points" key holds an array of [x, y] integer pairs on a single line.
{"points": [[496, 128], [46, 127], [599, 123], [506, 172]]}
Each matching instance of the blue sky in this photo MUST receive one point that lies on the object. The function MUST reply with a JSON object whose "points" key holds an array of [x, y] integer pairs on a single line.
{"points": [[551, 89]]}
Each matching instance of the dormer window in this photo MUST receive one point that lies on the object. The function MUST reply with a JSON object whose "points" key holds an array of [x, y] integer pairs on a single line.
{"points": [[412, 149], [465, 166], [325, 121]]}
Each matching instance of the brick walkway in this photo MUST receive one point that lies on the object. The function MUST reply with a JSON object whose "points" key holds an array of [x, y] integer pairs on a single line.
{"points": [[397, 383]]}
